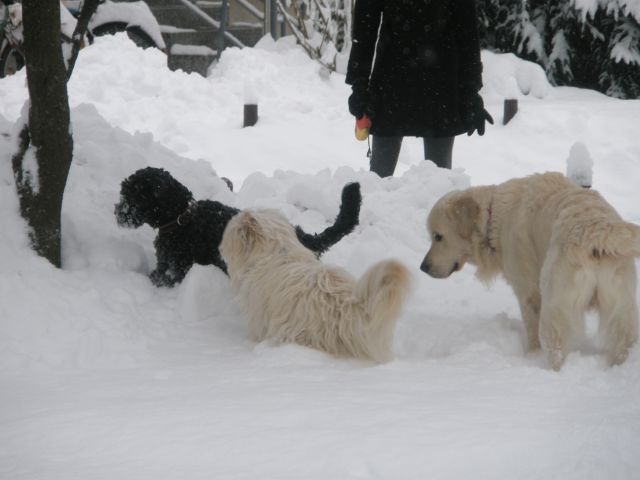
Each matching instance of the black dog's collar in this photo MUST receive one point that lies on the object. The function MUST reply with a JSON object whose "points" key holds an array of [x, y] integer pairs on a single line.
{"points": [[183, 219]]}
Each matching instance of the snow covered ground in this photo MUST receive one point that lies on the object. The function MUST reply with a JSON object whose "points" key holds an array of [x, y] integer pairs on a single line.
{"points": [[104, 376]]}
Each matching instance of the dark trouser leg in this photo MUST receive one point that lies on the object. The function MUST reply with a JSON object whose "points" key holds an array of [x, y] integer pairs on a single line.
{"points": [[384, 155], [439, 150]]}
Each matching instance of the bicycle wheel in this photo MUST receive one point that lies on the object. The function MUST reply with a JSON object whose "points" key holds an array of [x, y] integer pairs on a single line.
{"points": [[11, 60]]}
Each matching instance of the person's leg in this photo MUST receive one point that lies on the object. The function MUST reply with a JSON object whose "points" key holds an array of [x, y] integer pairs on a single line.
{"points": [[439, 150], [384, 155]]}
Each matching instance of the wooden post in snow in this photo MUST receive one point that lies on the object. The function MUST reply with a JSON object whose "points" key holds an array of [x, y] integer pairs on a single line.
{"points": [[510, 109], [250, 115]]}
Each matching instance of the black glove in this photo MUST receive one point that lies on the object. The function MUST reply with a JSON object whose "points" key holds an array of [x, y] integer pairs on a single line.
{"points": [[475, 114], [359, 98]]}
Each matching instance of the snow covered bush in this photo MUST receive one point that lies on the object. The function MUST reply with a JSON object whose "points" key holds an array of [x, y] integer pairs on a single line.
{"points": [[322, 27], [585, 43]]}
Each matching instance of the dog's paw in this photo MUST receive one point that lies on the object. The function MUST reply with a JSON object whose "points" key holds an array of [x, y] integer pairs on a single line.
{"points": [[556, 358], [533, 343], [162, 279], [618, 357]]}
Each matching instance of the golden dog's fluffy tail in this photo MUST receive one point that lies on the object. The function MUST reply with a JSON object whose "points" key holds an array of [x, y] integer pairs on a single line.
{"points": [[381, 292], [616, 239]]}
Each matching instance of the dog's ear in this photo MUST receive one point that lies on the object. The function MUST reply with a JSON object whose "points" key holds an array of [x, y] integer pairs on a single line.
{"points": [[250, 231], [465, 211]]}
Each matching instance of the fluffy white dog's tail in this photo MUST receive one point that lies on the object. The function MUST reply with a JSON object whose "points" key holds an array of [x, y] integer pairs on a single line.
{"points": [[382, 291], [619, 239]]}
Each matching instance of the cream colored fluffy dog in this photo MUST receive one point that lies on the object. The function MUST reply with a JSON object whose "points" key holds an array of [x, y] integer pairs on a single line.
{"points": [[290, 296], [562, 248]]}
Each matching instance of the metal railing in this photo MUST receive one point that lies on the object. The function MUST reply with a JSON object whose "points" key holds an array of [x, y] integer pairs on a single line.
{"points": [[252, 9], [268, 17], [220, 26]]}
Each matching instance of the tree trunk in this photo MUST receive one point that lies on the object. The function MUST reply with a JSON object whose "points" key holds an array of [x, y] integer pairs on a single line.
{"points": [[41, 192]]}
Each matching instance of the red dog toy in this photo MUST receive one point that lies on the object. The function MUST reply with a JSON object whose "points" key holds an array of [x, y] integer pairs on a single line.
{"points": [[363, 124]]}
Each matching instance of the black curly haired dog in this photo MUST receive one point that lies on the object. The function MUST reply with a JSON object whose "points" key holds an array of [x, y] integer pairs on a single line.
{"points": [[190, 231]]}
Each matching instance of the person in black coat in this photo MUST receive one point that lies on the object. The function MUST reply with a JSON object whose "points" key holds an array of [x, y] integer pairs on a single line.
{"points": [[415, 70]]}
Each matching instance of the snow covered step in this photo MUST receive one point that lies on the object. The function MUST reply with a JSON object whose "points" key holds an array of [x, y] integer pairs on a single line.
{"points": [[209, 3], [191, 36], [191, 58]]}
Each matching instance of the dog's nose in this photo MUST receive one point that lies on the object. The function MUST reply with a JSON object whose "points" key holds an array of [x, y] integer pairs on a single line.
{"points": [[425, 267]]}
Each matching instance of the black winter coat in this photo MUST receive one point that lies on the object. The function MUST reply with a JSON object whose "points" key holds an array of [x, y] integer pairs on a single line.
{"points": [[427, 69]]}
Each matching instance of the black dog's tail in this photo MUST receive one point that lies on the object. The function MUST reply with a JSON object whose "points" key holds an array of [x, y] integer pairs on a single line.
{"points": [[344, 223]]}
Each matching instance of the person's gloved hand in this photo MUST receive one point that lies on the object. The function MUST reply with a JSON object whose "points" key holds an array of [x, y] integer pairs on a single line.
{"points": [[359, 98], [476, 115]]}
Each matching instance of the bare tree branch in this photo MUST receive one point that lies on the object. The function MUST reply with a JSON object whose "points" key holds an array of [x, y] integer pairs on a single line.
{"points": [[88, 9]]}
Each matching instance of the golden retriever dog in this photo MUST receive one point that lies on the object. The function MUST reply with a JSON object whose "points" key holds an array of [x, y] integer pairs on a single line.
{"points": [[563, 249], [290, 296]]}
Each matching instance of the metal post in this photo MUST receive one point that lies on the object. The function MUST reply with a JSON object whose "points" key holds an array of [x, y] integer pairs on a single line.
{"points": [[271, 18], [224, 19], [267, 16], [283, 27], [274, 19]]}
